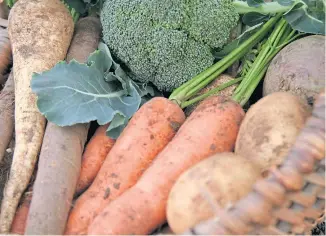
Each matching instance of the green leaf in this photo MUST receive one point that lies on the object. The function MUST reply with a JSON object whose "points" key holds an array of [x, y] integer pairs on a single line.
{"points": [[255, 3], [104, 48], [316, 8], [100, 90], [77, 93], [285, 2], [100, 61], [236, 42], [254, 18], [116, 126], [307, 18]]}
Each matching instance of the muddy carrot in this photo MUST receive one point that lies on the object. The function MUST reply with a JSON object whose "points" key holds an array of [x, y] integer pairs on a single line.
{"points": [[211, 128], [146, 134]]}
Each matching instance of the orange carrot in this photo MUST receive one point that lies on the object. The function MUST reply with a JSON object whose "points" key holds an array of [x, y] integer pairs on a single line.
{"points": [[146, 134], [211, 128], [93, 157], [19, 223]]}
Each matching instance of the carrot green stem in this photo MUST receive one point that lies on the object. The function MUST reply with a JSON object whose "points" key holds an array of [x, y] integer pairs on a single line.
{"points": [[211, 92], [280, 36]]}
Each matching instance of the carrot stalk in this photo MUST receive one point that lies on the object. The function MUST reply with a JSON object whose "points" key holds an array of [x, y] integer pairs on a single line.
{"points": [[40, 33], [94, 155], [61, 153], [211, 128], [147, 133], [7, 107]]}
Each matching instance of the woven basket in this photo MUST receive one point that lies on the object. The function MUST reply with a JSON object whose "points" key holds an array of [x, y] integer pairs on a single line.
{"points": [[291, 200]]}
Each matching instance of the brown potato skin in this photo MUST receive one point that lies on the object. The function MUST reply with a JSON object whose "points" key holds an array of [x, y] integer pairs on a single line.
{"points": [[270, 128], [207, 187], [298, 68]]}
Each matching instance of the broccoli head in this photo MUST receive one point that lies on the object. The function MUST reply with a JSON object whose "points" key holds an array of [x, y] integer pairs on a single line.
{"points": [[166, 42]]}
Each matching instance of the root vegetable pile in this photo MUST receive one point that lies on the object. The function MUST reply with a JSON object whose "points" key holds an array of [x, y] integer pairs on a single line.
{"points": [[130, 114]]}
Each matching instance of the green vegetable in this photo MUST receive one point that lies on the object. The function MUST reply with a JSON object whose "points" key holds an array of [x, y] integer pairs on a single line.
{"points": [[308, 19], [98, 90], [166, 48], [166, 42]]}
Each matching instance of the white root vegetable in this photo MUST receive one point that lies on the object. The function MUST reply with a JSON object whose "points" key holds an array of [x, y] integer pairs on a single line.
{"points": [[40, 32], [7, 106]]}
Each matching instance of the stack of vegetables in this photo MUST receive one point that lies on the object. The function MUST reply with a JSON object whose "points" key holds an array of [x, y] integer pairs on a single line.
{"points": [[125, 115]]}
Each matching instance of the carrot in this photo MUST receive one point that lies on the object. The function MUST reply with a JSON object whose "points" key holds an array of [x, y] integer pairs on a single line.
{"points": [[40, 33], [19, 223], [94, 155], [147, 133], [7, 107], [61, 152], [211, 128]]}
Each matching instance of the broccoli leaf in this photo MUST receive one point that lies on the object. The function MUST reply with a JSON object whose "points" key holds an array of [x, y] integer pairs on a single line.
{"points": [[74, 92], [99, 89], [307, 17], [254, 18], [285, 2], [118, 123], [236, 42], [255, 3]]}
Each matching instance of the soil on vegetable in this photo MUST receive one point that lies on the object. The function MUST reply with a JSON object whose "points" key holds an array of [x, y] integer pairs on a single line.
{"points": [[5, 166]]}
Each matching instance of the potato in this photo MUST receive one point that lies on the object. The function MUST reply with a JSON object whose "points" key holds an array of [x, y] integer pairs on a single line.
{"points": [[298, 68], [270, 128], [212, 184]]}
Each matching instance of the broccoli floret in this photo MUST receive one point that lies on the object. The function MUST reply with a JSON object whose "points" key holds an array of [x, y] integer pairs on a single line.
{"points": [[166, 42]]}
